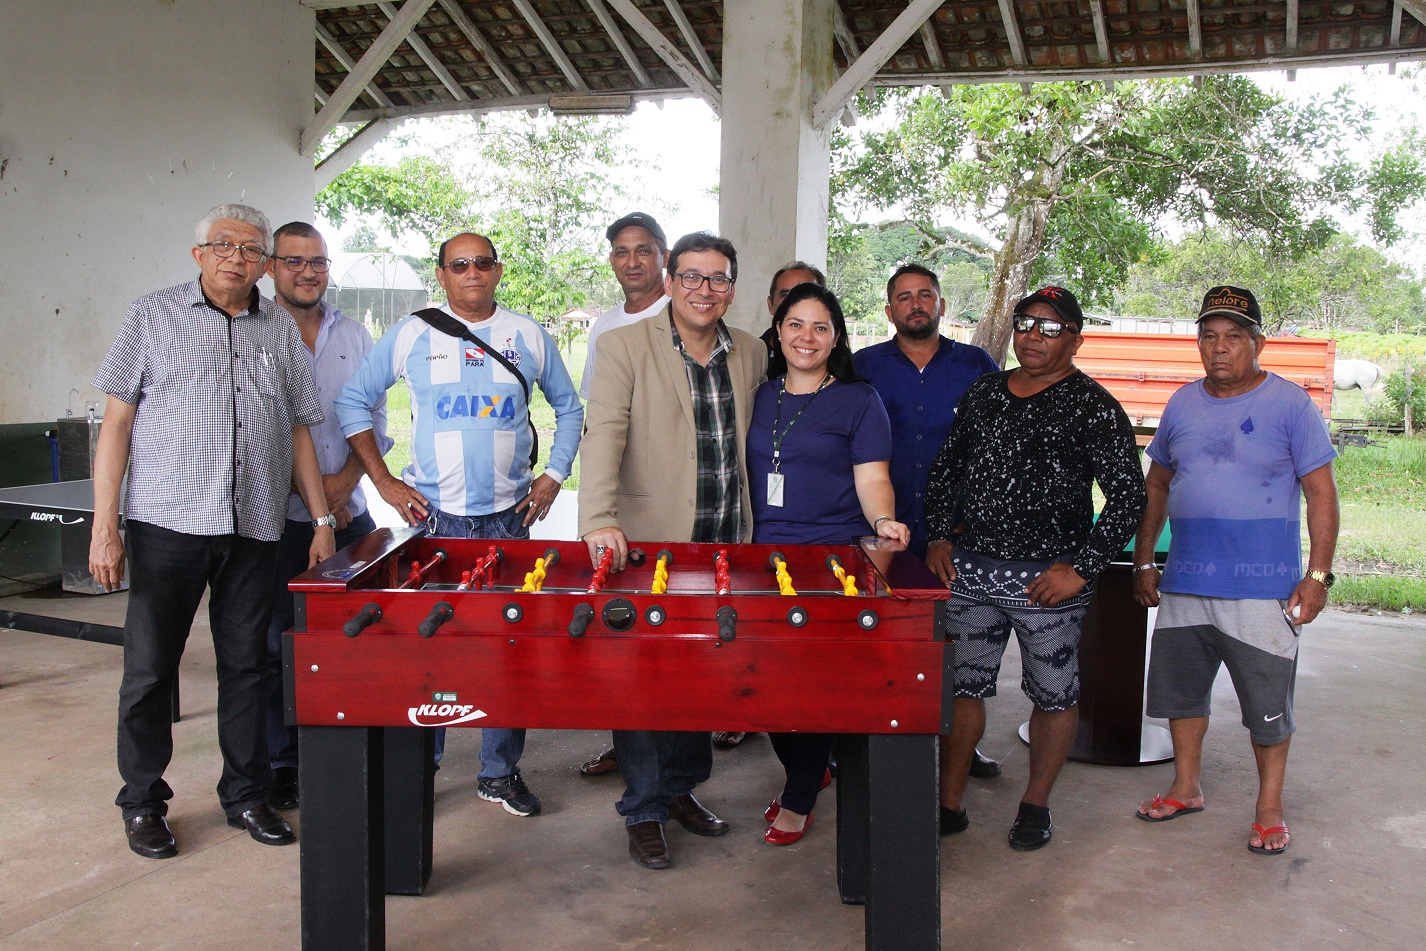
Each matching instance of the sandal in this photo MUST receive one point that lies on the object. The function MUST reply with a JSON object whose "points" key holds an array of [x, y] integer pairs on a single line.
{"points": [[1263, 835]]}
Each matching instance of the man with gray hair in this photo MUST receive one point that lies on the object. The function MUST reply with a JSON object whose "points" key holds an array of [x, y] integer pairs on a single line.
{"points": [[210, 397]]}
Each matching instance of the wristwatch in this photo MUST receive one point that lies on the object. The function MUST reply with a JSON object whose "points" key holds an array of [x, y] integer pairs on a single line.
{"points": [[328, 520], [1325, 578], [1148, 567]]}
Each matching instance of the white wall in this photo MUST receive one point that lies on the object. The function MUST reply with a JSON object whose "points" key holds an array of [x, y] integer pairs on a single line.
{"points": [[121, 123]]}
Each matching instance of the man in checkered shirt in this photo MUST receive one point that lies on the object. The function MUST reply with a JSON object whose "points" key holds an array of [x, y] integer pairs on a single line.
{"points": [[210, 397]]}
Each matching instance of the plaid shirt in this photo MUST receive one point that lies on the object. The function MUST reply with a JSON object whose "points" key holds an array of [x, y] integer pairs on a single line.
{"points": [[217, 398], [719, 511]]}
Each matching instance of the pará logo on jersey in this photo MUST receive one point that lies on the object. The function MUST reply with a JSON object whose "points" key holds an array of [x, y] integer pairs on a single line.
{"points": [[510, 353], [474, 356]]}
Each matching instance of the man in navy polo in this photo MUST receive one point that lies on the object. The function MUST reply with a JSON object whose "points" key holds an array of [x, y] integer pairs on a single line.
{"points": [[921, 376]]}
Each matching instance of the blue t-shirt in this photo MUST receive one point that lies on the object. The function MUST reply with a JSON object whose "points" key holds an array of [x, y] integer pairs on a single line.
{"points": [[842, 426], [921, 405], [1235, 499]]}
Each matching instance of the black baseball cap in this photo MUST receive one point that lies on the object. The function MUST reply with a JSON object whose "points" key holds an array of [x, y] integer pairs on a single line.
{"points": [[1059, 300], [1234, 303], [636, 219]]}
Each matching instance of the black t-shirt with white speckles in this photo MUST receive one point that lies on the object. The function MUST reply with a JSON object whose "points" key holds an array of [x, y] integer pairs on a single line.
{"points": [[1019, 473]]}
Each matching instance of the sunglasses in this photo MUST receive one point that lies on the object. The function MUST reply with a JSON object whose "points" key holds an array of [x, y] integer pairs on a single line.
{"points": [[1048, 326], [459, 265]]}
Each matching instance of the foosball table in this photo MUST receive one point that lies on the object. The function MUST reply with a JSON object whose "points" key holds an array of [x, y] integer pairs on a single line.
{"points": [[403, 631]]}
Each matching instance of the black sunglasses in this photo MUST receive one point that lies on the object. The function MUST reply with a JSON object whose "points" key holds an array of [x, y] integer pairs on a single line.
{"points": [[1049, 327]]}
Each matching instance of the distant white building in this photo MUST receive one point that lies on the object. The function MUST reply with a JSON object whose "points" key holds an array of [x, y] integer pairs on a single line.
{"points": [[375, 287]]}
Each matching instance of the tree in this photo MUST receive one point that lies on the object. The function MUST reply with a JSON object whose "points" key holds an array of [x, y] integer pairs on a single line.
{"points": [[536, 185], [1075, 179]]}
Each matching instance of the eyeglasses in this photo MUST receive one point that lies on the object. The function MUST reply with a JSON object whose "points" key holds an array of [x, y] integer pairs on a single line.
{"points": [[459, 265], [319, 265], [692, 280], [1049, 327], [225, 249]]}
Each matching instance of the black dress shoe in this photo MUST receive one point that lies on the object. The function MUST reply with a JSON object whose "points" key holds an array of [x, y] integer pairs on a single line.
{"points": [[692, 816], [954, 821], [148, 836], [1031, 828], [283, 793], [264, 825], [983, 767], [647, 846]]}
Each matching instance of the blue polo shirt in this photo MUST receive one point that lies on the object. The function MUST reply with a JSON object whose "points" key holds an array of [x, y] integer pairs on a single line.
{"points": [[921, 405]]}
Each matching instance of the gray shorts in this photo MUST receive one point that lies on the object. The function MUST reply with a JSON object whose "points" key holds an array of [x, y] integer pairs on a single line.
{"points": [[1194, 636]]}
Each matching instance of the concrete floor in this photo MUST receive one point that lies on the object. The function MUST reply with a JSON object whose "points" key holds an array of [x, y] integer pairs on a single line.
{"points": [[563, 880]]}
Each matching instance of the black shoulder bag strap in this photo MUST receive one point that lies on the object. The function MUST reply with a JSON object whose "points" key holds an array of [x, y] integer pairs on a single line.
{"points": [[447, 324]]}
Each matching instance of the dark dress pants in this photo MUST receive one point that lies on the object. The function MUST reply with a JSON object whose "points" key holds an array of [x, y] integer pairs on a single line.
{"points": [[292, 555], [804, 758], [168, 572], [658, 765]]}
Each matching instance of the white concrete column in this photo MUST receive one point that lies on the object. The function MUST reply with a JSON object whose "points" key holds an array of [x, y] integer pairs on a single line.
{"points": [[777, 62]]}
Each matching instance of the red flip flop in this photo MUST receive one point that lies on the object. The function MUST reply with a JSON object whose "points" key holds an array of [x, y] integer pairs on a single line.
{"points": [[1263, 834], [1180, 810]]}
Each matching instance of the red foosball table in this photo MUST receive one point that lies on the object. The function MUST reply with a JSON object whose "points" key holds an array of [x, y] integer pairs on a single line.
{"points": [[403, 631]]}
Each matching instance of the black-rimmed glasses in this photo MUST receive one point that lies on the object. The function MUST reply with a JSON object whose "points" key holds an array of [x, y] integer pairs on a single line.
{"points": [[692, 280], [481, 263], [298, 265], [1049, 327], [225, 249]]}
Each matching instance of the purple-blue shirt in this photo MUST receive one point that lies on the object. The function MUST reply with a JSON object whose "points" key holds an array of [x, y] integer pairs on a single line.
{"points": [[342, 343], [921, 405], [1235, 498]]}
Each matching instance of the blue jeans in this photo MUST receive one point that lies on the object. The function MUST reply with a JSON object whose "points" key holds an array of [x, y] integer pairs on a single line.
{"points": [[292, 550], [658, 765], [500, 748]]}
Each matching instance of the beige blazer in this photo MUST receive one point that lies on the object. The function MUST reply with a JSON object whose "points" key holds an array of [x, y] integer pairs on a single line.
{"points": [[639, 468]]}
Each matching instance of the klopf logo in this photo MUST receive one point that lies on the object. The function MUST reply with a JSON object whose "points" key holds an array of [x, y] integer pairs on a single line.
{"points": [[443, 714], [1052, 292]]}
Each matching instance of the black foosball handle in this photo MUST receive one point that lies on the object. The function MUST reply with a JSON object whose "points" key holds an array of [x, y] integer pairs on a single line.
{"points": [[364, 619], [583, 614], [727, 623], [439, 615]]}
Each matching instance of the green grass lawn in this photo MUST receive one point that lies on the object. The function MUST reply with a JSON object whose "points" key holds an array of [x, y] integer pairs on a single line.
{"points": [[1381, 560]]}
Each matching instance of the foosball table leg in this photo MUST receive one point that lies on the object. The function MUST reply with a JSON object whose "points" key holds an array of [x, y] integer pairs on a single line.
{"points": [[343, 839], [410, 806], [853, 823], [903, 895]]}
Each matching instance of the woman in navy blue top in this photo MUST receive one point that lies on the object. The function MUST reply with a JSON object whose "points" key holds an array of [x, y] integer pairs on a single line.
{"points": [[819, 456]]}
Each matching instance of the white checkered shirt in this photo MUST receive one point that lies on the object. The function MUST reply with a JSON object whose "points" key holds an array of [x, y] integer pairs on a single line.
{"points": [[217, 398]]}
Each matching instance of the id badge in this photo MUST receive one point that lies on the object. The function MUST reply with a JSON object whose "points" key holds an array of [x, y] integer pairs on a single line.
{"points": [[774, 488]]}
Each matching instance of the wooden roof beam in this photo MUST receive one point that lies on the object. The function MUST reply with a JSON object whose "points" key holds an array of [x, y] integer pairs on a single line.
{"points": [[671, 55], [340, 54], [1012, 35], [1194, 12], [675, 10], [616, 36], [482, 45], [933, 51], [351, 151], [1291, 25], [366, 68], [860, 72], [429, 57], [551, 45], [1101, 36]]}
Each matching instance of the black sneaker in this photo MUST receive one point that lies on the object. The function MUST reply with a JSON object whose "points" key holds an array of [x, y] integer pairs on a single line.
{"points": [[953, 821], [511, 792], [1031, 828]]}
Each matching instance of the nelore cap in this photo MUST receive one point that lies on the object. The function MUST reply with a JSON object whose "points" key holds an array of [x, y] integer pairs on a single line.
{"points": [[636, 219], [1060, 300], [1234, 303]]}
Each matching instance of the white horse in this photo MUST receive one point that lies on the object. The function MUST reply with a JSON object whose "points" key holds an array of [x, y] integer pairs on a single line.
{"points": [[1361, 375]]}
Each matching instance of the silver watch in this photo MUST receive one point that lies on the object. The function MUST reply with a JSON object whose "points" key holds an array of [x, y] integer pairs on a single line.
{"points": [[328, 520]]}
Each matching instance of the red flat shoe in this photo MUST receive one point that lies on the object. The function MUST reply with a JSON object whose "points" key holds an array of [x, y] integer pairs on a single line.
{"points": [[773, 808], [778, 837]]}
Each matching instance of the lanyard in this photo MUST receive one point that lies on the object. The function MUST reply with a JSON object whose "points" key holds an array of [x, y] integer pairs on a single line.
{"points": [[777, 437]]}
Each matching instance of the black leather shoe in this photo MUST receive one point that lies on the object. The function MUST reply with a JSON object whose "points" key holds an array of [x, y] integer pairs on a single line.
{"points": [[148, 836], [983, 767], [264, 825], [283, 792], [647, 846], [953, 821], [1031, 828], [692, 816]]}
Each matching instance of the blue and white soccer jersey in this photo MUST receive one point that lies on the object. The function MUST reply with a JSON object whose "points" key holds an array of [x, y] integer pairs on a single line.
{"points": [[470, 442]]}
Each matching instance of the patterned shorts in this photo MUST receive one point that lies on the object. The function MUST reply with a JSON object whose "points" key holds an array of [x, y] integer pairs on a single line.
{"points": [[987, 603]]}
